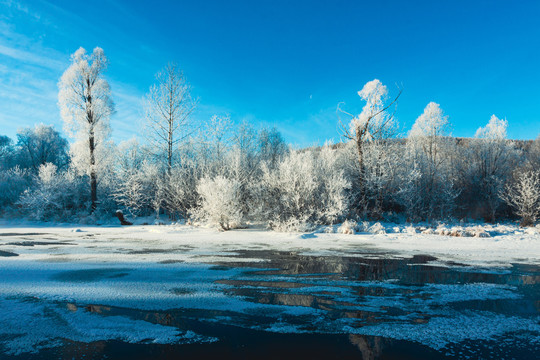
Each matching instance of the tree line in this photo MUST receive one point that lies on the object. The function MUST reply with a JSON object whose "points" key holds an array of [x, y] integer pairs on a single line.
{"points": [[229, 175]]}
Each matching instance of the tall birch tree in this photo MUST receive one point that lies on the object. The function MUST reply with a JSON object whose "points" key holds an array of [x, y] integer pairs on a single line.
{"points": [[168, 106], [85, 103]]}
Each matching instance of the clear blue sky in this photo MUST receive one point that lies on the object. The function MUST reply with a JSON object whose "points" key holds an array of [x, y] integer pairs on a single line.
{"points": [[283, 63]]}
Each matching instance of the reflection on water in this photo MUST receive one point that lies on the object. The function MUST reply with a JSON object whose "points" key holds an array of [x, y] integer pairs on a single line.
{"points": [[358, 306]]}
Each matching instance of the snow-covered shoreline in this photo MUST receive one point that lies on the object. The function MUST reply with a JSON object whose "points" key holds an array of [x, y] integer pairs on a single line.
{"points": [[503, 244]]}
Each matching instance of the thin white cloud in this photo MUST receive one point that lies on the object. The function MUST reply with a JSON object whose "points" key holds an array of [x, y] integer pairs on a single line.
{"points": [[30, 57], [20, 7]]}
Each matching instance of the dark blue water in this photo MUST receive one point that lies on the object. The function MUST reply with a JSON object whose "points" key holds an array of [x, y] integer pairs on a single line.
{"points": [[364, 306]]}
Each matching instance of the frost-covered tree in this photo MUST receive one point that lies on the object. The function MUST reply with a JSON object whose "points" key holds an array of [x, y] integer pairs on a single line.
{"points": [[245, 159], [6, 152], [135, 187], [384, 165], [180, 194], [138, 181], [272, 147], [488, 163], [130, 155], [524, 196], [306, 189], [13, 182], [374, 122], [429, 154], [533, 155], [429, 128], [40, 145], [168, 108], [54, 196], [213, 143], [202, 155], [220, 202], [86, 106]]}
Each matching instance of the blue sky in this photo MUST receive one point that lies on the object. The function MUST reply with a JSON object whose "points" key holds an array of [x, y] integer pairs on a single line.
{"points": [[282, 63]]}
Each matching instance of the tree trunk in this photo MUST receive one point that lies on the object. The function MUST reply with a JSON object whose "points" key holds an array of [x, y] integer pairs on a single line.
{"points": [[169, 149], [92, 146], [93, 175], [361, 171]]}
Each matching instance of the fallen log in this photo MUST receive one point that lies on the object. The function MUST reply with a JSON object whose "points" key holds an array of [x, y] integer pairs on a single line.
{"points": [[120, 216]]}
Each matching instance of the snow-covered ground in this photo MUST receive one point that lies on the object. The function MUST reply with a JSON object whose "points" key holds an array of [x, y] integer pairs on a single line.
{"points": [[50, 273], [503, 245]]}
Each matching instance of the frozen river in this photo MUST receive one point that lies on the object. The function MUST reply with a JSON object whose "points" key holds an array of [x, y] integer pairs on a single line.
{"points": [[100, 293]]}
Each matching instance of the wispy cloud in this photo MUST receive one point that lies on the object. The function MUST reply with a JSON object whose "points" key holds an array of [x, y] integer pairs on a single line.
{"points": [[18, 6], [30, 57]]}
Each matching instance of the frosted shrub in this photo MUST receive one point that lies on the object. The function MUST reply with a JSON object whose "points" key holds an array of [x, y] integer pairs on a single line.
{"points": [[382, 161], [13, 182], [180, 191], [305, 189], [349, 227], [457, 231], [524, 197], [479, 231], [293, 225], [220, 203], [377, 228], [55, 195], [411, 230], [442, 230], [135, 188]]}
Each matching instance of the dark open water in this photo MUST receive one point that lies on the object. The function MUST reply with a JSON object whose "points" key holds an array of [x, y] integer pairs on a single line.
{"points": [[416, 308]]}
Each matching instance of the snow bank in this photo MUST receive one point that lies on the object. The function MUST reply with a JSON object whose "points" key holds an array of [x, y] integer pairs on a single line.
{"points": [[493, 245]]}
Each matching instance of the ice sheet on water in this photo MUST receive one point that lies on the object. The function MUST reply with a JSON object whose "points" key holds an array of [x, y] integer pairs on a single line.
{"points": [[29, 325], [442, 330], [131, 285]]}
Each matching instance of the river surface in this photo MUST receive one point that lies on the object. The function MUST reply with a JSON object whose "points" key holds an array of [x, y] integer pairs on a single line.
{"points": [[267, 304]]}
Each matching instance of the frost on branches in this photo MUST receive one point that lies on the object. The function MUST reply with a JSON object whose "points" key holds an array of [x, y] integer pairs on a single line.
{"points": [[306, 189], [524, 196], [230, 174], [220, 202], [374, 123], [85, 104], [490, 155], [429, 192], [54, 196], [168, 106]]}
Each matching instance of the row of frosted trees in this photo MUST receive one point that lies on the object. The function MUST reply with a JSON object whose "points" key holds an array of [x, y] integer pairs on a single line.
{"points": [[229, 175]]}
